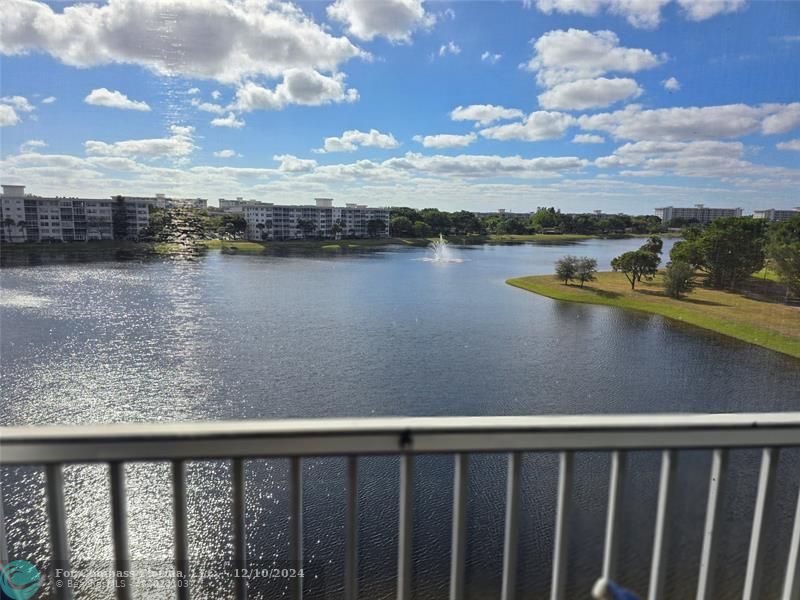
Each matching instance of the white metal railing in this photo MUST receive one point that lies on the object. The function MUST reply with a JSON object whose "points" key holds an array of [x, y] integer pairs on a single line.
{"points": [[117, 444]]}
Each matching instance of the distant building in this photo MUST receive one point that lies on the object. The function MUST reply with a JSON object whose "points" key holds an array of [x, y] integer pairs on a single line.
{"points": [[776, 214], [502, 212], [27, 218], [237, 206], [698, 213], [267, 221]]}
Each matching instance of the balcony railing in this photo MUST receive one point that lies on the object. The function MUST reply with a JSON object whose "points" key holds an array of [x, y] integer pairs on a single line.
{"points": [[115, 445]]}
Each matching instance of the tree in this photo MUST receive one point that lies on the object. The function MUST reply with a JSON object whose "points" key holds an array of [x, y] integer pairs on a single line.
{"points": [[783, 249], [688, 252], [636, 265], [119, 219], [653, 244], [306, 227], [336, 229], [8, 223], [422, 229], [678, 279], [465, 222], [586, 268], [260, 227], [401, 227], [731, 250], [438, 220], [375, 227], [567, 268]]}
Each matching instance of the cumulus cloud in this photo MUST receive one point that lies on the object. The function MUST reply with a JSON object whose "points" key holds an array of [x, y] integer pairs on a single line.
{"points": [[484, 114], [49, 100], [208, 106], [352, 139], [19, 103], [785, 118], [227, 153], [589, 93], [671, 84], [31, 145], [210, 39], [193, 91], [179, 144], [587, 138], [491, 57], [446, 140], [395, 20], [114, 99], [299, 86], [449, 48], [562, 56], [645, 14], [216, 94], [789, 145], [537, 126], [291, 164], [8, 116], [230, 121]]}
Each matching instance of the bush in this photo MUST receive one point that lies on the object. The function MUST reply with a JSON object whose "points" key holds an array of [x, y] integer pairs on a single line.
{"points": [[678, 279]]}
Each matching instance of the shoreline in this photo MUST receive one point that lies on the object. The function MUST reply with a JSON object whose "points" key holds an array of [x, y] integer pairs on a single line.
{"points": [[762, 323]]}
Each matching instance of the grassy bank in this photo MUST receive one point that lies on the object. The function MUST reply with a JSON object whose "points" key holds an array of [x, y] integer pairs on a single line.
{"points": [[768, 324], [244, 246]]}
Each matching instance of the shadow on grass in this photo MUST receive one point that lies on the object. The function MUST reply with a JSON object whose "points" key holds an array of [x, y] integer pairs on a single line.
{"points": [[599, 292]]}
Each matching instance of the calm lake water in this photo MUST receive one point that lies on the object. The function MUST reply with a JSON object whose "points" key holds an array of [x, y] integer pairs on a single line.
{"points": [[372, 333]]}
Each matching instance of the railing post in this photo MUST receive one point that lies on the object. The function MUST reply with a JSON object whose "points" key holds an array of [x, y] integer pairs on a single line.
{"points": [[351, 531], [561, 545], [791, 583], [716, 487], [406, 526], [616, 479], [179, 523], [119, 524], [509, 588], [296, 507], [239, 528], [3, 537], [57, 518], [665, 487], [459, 539], [766, 490]]}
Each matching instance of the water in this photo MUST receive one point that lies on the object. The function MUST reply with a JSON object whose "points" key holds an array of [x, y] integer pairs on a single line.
{"points": [[372, 334], [441, 252]]}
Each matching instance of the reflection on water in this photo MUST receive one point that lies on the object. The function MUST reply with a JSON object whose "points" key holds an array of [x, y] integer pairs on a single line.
{"points": [[292, 334]]}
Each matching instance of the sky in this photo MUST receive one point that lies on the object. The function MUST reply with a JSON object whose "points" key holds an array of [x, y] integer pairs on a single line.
{"points": [[612, 105]]}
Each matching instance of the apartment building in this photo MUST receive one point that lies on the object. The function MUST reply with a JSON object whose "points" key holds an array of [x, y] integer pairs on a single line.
{"points": [[699, 213], [776, 214], [267, 221], [28, 218]]}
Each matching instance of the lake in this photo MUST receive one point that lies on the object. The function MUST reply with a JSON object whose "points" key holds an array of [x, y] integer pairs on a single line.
{"points": [[371, 333]]}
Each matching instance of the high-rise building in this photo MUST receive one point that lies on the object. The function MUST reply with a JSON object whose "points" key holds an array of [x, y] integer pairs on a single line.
{"points": [[776, 214], [699, 213]]}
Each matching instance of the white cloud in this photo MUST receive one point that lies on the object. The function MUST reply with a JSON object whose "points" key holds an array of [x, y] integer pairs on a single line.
{"points": [[645, 14], [216, 94], [179, 144], [395, 20], [789, 145], [484, 114], [207, 39], [31, 145], [193, 91], [114, 99], [589, 93], [291, 164], [449, 48], [700, 10], [587, 138], [561, 56], [671, 84], [446, 140], [299, 86], [8, 116], [208, 106], [229, 121], [490, 57], [19, 103], [227, 153], [49, 100], [352, 139], [537, 126], [785, 118], [694, 123], [476, 165]]}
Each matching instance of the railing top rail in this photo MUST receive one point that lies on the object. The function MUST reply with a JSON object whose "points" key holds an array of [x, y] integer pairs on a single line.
{"points": [[391, 435]]}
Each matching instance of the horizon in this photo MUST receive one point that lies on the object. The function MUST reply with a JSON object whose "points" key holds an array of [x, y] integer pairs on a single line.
{"points": [[458, 106]]}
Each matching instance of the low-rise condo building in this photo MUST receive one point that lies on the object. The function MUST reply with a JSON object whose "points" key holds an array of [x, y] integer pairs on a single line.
{"points": [[28, 218], [267, 221], [776, 214], [699, 213]]}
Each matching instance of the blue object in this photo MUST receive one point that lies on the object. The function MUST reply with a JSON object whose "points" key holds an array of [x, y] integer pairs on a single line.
{"points": [[620, 593]]}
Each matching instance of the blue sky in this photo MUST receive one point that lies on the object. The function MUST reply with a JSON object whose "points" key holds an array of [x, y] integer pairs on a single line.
{"points": [[581, 104]]}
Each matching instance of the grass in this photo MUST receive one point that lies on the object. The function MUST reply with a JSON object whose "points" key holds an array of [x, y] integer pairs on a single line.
{"points": [[767, 324]]}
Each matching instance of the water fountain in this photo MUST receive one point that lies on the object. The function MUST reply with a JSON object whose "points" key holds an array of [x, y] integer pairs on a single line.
{"points": [[441, 253]]}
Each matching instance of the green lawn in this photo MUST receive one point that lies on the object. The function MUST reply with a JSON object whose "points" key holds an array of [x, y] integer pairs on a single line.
{"points": [[769, 324]]}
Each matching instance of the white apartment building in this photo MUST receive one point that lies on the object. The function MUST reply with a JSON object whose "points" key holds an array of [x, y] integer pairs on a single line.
{"points": [[267, 221], [776, 214], [699, 213], [28, 218]]}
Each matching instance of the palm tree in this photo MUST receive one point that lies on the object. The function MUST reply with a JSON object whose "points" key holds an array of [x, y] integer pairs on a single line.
{"points": [[260, 227], [7, 223]]}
